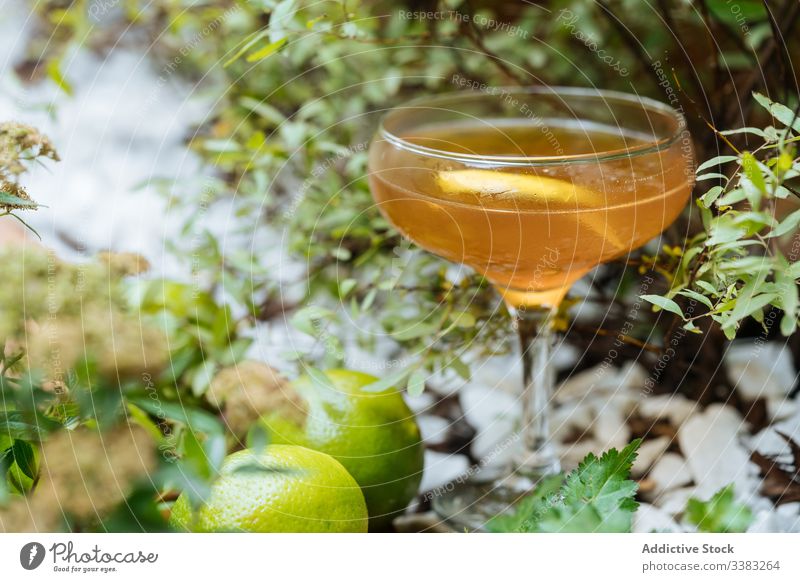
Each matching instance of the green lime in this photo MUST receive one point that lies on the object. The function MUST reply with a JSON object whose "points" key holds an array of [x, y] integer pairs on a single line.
{"points": [[284, 489], [373, 434]]}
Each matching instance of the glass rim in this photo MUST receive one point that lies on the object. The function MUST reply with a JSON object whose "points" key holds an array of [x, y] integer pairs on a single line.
{"points": [[646, 103]]}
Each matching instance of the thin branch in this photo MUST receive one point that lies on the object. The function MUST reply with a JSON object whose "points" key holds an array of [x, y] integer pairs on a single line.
{"points": [[475, 36], [626, 339], [666, 15]]}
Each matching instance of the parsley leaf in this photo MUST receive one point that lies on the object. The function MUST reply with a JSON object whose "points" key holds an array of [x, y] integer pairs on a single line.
{"points": [[720, 514], [598, 496]]}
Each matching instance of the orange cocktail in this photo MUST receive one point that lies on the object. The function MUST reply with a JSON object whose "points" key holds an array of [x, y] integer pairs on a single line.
{"points": [[532, 188]]}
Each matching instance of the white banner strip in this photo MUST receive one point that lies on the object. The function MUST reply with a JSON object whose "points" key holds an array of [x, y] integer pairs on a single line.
{"points": [[388, 557]]}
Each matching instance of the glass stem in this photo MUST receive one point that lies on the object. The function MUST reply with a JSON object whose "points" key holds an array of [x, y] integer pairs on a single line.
{"points": [[538, 456]]}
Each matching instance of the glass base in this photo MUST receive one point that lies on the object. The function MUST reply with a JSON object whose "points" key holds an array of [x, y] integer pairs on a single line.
{"points": [[471, 505]]}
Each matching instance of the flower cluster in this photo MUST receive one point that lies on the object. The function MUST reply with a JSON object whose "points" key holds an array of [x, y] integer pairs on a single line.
{"points": [[249, 389], [83, 475], [62, 315]]}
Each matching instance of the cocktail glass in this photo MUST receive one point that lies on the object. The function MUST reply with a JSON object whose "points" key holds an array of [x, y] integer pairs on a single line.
{"points": [[532, 187]]}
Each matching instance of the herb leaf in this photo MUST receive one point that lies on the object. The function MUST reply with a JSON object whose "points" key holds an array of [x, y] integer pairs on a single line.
{"points": [[720, 514], [598, 496]]}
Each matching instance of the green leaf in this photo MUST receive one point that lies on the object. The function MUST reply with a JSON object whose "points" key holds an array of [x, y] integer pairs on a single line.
{"points": [[747, 11], [788, 325], [5, 465], [265, 110], [369, 299], [691, 327], [716, 161], [306, 319], [697, 297], [23, 455], [723, 231], [712, 194], [141, 418], [416, 382], [346, 286], [280, 18], [747, 300], [194, 455], [598, 496], [787, 225], [720, 514], [780, 112], [707, 287], [266, 51], [28, 426], [463, 319], [55, 75], [459, 367], [789, 295], [751, 130], [247, 44], [526, 512], [731, 197], [415, 329], [8, 199], [753, 171], [196, 419], [663, 303], [216, 449], [711, 176], [604, 481], [391, 381], [201, 377], [257, 437]]}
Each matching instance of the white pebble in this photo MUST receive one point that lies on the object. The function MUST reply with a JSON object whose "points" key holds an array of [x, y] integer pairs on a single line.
{"points": [[674, 501], [710, 443], [788, 515], [781, 408], [649, 518], [580, 385], [670, 472], [764, 522], [674, 407], [760, 370], [569, 417], [610, 428], [494, 448], [433, 428], [649, 452], [441, 468], [421, 403], [769, 443], [483, 407]]}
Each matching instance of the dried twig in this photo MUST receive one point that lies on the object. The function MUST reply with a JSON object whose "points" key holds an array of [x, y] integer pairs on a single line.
{"points": [[781, 481]]}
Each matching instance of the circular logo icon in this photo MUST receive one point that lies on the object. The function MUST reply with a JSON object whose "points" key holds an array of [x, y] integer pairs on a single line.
{"points": [[31, 555]]}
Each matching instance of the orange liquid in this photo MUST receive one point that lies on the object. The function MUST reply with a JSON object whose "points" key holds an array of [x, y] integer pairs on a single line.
{"points": [[532, 237]]}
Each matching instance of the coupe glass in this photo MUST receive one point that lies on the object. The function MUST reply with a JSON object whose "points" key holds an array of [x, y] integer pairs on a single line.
{"points": [[532, 187]]}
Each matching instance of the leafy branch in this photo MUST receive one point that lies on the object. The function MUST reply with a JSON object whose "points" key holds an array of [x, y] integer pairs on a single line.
{"points": [[20, 146], [745, 259]]}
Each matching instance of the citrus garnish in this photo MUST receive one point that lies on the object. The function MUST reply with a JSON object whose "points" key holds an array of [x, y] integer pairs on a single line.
{"points": [[525, 186], [563, 194]]}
